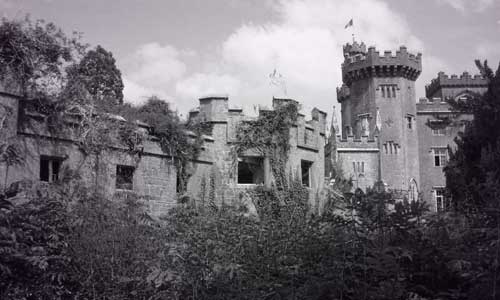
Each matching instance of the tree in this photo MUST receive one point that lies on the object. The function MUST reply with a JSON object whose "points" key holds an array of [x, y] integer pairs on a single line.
{"points": [[33, 54], [473, 176], [98, 74]]}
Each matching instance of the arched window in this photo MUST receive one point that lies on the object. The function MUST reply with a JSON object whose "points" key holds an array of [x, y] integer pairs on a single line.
{"points": [[413, 190]]}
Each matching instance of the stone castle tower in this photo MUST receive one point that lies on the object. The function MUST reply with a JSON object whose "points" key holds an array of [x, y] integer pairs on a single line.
{"points": [[378, 105]]}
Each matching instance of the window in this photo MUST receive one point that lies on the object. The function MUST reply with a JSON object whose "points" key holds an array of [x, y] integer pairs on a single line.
{"points": [[438, 131], [443, 203], [358, 167], [305, 167], [409, 121], [124, 177], [348, 130], [388, 90], [440, 156], [250, 170], [49, 168], [365, 125], [391, 148]]}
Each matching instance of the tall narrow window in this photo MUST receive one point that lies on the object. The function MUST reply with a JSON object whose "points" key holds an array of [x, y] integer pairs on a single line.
{"points": [[124, 177], [409, 122], [305, 167], [440, 156], [348, 130], [393, 92], [49, 168], [382, 88], [365, 126]]}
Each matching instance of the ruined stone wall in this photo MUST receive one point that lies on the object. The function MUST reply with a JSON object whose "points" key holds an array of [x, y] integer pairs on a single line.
{"points": [[154, 178], [307, 139]]}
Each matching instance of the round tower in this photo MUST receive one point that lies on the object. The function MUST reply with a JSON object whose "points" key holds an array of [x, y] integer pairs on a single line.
{"points": [[385, 82]]}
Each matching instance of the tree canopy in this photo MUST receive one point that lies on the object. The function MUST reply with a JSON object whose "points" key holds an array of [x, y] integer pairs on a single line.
{"points": [[98, 74], [33, 55], [473, 173]]}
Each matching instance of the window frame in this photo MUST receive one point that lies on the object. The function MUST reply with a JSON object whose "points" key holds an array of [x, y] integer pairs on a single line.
{"points": [[309, 165], [124, 186], [244, 160], [440, 158], [438, 131], [52, 161]]}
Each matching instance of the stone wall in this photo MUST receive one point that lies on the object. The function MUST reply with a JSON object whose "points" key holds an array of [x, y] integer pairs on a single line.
{"points": [[154, 178], [435, 115], [307, 139]]}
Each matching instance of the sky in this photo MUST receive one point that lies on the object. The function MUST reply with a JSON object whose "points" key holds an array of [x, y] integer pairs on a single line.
{"points": [[181, 50]]}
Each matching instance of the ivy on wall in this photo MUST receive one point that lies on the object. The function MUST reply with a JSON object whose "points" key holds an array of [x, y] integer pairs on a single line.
{"points": [[269, 135]]}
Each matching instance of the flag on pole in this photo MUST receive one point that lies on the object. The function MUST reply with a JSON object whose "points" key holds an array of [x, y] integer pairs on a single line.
{"points": [[349, 24]]}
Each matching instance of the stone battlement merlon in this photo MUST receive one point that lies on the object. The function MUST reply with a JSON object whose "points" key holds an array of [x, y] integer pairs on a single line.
{"points": [[353, 142], [372, 64], [453, 81]]}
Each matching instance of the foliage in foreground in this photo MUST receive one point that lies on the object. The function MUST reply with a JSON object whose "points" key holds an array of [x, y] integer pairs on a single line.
{"points": [[100, 249]]}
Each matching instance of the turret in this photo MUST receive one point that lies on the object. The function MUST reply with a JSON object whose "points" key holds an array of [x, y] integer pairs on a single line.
{"points": [[378, 103]]}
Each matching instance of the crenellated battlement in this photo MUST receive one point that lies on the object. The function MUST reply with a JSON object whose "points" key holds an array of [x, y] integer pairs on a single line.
{"points": [[455, 81], [355, 143], [359, 65]]}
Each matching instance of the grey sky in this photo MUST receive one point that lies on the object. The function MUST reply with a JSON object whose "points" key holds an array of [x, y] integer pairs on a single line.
{"points": [[185, 49]]}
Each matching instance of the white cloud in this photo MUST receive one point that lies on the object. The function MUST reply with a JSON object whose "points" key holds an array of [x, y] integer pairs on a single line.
{"points": [[490, 51], [304, 43], [155, 66], [468, 5], [137, 94], [201, 84]]}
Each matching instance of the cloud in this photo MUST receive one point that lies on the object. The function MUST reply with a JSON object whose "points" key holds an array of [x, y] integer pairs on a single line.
{"points": [[469, 5], [154, 66], [304, 43], [137, 94], [489, 50]]}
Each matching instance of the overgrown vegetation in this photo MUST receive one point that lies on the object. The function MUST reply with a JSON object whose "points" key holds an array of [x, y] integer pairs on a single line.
{"points": [[269, 136]]}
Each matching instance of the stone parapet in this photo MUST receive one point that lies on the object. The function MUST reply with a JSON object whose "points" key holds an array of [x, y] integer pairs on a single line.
{"points": [[372, 64], [351, 142], [454, 81]]}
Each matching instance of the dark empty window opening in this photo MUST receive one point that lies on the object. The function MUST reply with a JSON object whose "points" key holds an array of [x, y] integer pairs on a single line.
{"points": [[305, 167], [250, 170], [49, 168], [409, 121], [124, 177]]}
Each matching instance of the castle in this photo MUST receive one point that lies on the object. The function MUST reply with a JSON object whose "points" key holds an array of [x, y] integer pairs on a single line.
{"points": [[386, 137]]}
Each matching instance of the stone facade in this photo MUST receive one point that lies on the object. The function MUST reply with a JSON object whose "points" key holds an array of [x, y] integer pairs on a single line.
{"points": [[221, 173], [386, 136], [438, 126], [378, 110], [45, 156]]}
